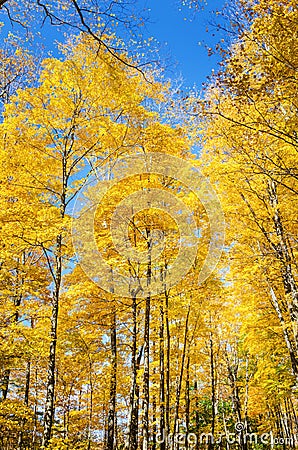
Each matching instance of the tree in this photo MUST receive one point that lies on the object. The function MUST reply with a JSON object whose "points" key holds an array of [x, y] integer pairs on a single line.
{"points": [[115, 352], [249, 152], [58, 122]]}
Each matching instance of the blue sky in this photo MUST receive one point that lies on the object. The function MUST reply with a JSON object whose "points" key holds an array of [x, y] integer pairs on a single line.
{"points": [[178, 32]]}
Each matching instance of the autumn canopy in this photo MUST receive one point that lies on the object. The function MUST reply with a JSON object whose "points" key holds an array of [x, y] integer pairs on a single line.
{"points": [[149, 236]]}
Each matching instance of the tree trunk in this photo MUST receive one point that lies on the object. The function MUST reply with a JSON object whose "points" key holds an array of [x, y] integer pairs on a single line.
{"points": [[146, 376], [213, 396], [49, 406], [233, 377], [133, 423], [290, 348], [197, 416], [91, 403], [57, 279], [168, 365], [179, 385], [26, 401], [5, 384], [146, 401], [113, 384], [284, 256], [17, 303], [187, 403], [154, 418], [162, 378]]}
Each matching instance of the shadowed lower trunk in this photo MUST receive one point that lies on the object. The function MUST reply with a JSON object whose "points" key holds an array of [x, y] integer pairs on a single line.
{"points": [[113, 384], [146, 401], [49, 406], [162, 377]]}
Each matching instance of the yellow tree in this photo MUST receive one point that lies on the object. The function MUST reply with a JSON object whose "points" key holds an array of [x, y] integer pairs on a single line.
{"points": [[86, 109], [250, 149]]}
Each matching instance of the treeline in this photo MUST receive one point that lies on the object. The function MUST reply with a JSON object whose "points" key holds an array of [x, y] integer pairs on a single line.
{"points": [[125, 350]]}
